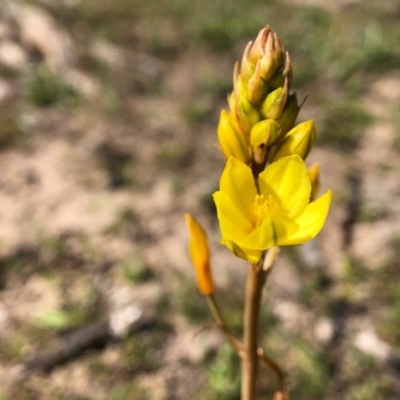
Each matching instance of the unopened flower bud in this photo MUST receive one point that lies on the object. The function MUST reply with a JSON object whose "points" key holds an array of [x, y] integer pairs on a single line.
{"points": [[232, 102], [268, 51], [262, 135], [313, 171], [283, 73], [274, 56], [199, 253], [275, 102], [246, 67], [246, 114], [289, 114], [257, 86], [298, 141], [232, 140], [258, 49]]}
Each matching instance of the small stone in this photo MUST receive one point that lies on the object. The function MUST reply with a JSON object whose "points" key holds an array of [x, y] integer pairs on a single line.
{"points": [[122, 320], [12, 55], [6, 90], [82, 83], [107, 53], [311, 255], [4, 317], [38, 30], [324, 330], [5, 31], [369, 343], [289, 313]]}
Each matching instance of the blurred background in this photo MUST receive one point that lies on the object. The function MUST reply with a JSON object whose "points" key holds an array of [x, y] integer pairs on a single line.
{"points": [[108, 115]]}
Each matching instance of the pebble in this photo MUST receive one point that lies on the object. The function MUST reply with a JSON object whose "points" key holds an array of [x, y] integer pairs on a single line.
{"points": [[12, 55]]}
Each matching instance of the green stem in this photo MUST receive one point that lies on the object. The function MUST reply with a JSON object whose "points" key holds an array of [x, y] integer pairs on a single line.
{"points": [[216, 312], [254, 286]]}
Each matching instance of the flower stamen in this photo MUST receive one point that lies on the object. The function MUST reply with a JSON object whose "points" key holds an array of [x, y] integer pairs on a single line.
{"points": [[263, 206]]}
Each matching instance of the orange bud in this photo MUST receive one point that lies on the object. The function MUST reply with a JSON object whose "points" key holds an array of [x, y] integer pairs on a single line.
{"points": [[199, 253]]}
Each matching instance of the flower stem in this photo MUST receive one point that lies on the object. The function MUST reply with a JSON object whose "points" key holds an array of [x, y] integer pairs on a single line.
{"points": [[233, 342], [254, 286]]}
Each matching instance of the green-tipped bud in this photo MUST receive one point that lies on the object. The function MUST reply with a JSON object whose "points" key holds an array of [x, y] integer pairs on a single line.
{"points": [[257, 86], [284, 72], [289, 114], [266, 131], [233, 142], [246, 114], [299, 140], [262, 135], [274, 103]]}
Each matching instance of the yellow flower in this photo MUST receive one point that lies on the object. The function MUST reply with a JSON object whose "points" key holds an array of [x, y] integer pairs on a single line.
{"points": [[199, 253], [280, 214]]}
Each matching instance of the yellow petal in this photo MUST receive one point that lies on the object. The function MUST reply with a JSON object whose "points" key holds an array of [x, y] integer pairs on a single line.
{"points": [[199, 253], [250, 255], [310, 221], [313, 171], [289, 181], [233, 224], [272, 231], [238, 182]]}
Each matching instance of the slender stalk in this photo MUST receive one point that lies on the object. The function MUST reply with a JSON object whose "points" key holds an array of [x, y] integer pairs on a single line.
{"points": [[254, 286], [266, 361], [216, 312]]}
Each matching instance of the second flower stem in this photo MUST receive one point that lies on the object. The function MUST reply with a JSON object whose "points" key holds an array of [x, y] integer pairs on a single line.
{"points": [[254, 286]]}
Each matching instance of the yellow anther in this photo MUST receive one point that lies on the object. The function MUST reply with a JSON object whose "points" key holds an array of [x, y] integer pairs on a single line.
{"points": [[264, 205]]}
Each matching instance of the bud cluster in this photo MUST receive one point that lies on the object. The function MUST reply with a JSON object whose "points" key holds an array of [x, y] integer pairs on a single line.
{"points": [[258, 128]]}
